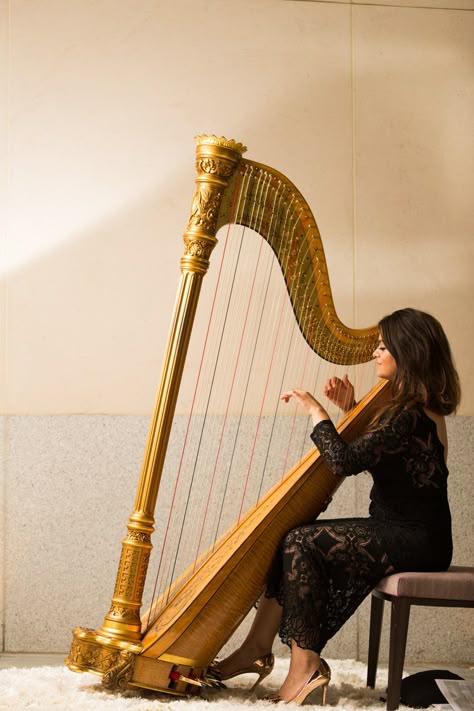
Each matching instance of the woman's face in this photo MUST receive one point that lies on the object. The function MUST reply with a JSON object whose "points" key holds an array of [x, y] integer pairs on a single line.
{"points": [[385, 365]]}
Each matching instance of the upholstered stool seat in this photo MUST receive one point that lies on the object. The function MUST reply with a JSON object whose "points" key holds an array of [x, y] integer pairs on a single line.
{"points": [[451, 588]]}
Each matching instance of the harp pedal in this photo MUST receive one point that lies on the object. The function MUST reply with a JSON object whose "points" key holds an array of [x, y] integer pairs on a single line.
{"points": [[176, 676]]}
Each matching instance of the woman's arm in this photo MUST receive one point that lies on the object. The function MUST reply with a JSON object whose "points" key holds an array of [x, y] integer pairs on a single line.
{"points": [[345, 459], [309, 404], [364, 452]]}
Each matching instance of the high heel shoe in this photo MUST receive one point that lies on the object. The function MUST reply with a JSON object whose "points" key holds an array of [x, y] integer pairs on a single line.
{"points": [[261, 666], [320, 678]]}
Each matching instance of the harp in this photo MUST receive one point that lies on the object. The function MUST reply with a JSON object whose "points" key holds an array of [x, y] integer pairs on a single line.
{"points": [[169, 647]]}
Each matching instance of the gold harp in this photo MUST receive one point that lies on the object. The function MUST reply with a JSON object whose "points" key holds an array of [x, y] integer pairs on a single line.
{"points": [[170, 647]]}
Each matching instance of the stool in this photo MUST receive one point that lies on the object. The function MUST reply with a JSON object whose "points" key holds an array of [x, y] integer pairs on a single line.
{"points": [[451, 588]]}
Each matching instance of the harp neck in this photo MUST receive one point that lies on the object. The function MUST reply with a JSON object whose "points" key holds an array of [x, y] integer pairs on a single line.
{"points": [[276, 209]]}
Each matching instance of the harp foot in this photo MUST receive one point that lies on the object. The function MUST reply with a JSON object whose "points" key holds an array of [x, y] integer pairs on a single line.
{"points": [[113, 660], [119, 676]]}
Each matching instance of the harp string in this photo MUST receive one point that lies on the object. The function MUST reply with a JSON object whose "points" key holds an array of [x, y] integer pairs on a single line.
{"points": [[198, 447], [287, 270], [263, 187], [211, 462], [238, 424], [279, 327], [287, 336], [246, 380], [194, 437], [227, 405], [163, 573]]}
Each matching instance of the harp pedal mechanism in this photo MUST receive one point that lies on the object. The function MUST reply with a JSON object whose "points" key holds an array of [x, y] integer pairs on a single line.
{"points": [[176, 676]]}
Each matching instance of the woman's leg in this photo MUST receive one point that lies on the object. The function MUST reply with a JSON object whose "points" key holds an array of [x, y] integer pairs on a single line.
{"points": [[303, 664], [323, 573], [327, 570], [259, 640]]}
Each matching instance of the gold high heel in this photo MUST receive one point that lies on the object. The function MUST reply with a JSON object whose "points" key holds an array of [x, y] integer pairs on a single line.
{"points": [[261, 666], [320, 678]]}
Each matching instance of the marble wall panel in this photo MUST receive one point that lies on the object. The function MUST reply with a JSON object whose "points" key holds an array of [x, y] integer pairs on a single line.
{"points": [[70, 487]]}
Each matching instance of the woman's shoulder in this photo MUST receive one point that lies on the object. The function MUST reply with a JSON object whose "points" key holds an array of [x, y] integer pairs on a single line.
{"points": [[404, 421], [419, 421], [404, 416]]}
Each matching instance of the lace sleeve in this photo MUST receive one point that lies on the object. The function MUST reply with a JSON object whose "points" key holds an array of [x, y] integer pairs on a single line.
{"points": [[364, 452]]}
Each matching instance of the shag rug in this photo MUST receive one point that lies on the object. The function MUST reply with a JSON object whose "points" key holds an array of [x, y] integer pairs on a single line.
{"points": [[45, 688]]}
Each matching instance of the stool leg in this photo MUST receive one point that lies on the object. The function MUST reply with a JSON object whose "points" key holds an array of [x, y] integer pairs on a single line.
{"points": [[376, 617], [398, 640]]}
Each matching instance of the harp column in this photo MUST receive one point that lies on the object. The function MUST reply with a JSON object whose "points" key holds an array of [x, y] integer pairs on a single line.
{"points": [[110, 648]]}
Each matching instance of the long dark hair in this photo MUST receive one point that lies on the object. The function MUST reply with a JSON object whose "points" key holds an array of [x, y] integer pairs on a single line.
{"points": [[426, 374]]}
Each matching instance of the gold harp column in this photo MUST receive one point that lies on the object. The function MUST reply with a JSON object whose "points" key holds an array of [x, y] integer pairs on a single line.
{"points": [[215, 164], [216, 161]]}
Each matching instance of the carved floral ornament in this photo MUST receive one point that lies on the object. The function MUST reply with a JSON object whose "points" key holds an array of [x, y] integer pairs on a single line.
{"points": [[206, 139], [214, 166], [90, 655], [205, 208], [122, 612], [133, 564], [139, 536], [119, 675], [198, 248]]}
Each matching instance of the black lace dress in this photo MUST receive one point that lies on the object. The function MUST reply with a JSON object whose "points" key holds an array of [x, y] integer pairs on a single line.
{"points": [[323, 571]]}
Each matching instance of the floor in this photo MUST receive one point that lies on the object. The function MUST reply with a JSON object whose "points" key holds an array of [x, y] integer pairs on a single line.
{"points": [[42, 660], [30, 660]]}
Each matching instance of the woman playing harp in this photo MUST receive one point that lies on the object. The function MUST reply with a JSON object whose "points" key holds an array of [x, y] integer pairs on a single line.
{"points": [[323, 571]]}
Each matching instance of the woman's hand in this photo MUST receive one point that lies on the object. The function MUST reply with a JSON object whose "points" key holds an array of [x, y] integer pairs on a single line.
{"points": [[308, 403], [340, 392]]}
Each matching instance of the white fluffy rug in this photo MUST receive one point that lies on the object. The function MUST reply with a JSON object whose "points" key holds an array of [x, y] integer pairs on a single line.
{"points": [[44, 688]]}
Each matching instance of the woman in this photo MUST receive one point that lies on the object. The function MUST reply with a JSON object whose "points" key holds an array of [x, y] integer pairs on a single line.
{"points": [[323, 571]]}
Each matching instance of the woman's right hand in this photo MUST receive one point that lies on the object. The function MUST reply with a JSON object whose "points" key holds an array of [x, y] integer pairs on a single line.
{"points": [[340, 392]]}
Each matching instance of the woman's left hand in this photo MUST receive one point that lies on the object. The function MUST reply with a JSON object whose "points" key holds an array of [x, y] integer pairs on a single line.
{"points": [[308, 403]]}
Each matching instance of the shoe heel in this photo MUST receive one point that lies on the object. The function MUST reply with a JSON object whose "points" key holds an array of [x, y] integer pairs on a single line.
{"points": [[264, 668], [261, 677], [324, 692], [261, 666], [259, 680]]}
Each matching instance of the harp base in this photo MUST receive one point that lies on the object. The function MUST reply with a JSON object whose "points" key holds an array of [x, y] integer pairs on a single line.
{"points": [[112, 659], [122, 666]]}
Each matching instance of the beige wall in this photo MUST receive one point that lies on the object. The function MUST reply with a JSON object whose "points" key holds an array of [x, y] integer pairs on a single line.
{"points": [[366, 107]]}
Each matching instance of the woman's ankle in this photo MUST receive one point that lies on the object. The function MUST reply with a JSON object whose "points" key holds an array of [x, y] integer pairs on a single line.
{"points": [[304, 660], [254, 650]]}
